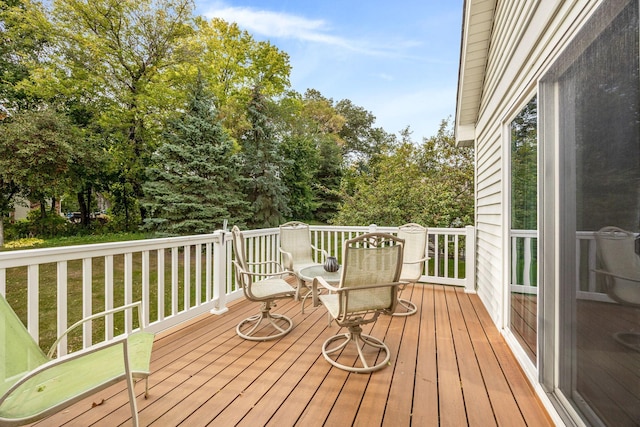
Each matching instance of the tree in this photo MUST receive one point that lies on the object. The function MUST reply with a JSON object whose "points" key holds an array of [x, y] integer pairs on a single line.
{"points": [[430, 184], [388, 192], [263, 166], [232, 62], [35, 154], [8, 191], [20, 44], [117, 56], [361, 139], [323, 124], [450, 170], [194, 184]]}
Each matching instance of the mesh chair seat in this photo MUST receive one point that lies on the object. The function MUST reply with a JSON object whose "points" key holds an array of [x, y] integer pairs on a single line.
{"points": [[33, 386], [270, 287], [368, 287], [264, 325]]}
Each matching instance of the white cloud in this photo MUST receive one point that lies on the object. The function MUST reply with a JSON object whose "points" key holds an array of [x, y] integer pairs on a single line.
{"points": [[274, 24], [271, 24]]}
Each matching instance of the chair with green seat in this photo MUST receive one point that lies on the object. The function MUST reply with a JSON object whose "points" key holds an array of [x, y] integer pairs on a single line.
{"points": [[34, 386]]}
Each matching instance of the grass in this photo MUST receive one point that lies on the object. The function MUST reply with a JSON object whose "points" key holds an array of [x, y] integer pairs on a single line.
{"points": [[16, 287], [34, 243]]}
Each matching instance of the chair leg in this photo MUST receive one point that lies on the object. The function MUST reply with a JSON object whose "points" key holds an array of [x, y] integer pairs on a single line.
{"points": [[628, 339], [301, 284], [357, 338], [256, 320], [407, 308]]}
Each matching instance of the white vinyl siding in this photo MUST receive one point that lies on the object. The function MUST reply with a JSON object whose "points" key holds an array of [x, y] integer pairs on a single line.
{"points": [[526, 37]]}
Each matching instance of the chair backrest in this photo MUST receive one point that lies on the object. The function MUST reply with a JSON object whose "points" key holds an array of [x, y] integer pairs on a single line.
{"points": [[239, 252], [372, 259], [19, 353], [295, 238], [415, 250], [617, 257]]}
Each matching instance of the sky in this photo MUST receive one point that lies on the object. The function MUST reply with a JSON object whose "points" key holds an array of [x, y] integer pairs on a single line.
{"points": [[397, 59]]}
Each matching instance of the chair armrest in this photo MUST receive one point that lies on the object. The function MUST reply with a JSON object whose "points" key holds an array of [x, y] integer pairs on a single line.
{"points": [[279, 267], [281, 273], [418, 261], [382, 285], [314, 289], [324, 253], [617, 276], [274, 274], [287, 259], [138, 304], [60, 382]]}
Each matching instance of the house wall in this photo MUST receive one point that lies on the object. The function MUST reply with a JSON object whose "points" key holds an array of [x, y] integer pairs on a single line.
{"points": [[526, 37]]}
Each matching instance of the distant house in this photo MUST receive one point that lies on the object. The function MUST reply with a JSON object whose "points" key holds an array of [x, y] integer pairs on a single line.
{"points": [[22, 207], [20, 210], [548, 95]]}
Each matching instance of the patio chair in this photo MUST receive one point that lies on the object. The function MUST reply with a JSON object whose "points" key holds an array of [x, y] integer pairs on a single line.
{"points": [[34, 385], [415, 255], [261, 282], [619, 259], [368, 287], [297, 250]]}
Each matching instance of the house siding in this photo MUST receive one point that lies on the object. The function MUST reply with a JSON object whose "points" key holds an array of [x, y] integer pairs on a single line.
{"points": [[526, 38]]}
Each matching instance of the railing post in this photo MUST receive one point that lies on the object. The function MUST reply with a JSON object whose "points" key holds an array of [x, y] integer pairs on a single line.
{"points": [[372, 228], [470, 260], [219, 273]]}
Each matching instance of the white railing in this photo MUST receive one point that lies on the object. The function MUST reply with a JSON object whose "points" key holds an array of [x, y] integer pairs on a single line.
{"points": [[175, 278], [586, 278], [587, 284], [525, 239]]}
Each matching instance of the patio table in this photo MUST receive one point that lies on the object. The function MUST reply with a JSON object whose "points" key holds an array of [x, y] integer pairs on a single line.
{"points": [[307, 274]]}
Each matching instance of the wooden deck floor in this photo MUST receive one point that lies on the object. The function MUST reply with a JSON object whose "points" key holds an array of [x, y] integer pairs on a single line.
{"points": [[450, 367]]}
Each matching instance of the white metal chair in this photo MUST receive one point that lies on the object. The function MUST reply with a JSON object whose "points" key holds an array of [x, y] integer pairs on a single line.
{"points": [[368, 287], [619, 261], [261, 282], [297, 251], [34, 385], [415, 256]]}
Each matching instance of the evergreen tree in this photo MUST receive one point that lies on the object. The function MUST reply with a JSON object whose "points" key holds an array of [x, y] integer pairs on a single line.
{"points": [[263, 166], [194, 184], [328, 178]]}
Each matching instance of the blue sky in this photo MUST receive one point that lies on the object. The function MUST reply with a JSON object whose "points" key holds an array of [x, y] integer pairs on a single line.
{"points": [[397, 59]]}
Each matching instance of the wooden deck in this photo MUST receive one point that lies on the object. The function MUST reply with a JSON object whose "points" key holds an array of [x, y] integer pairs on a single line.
{"points": [[450, 366]]}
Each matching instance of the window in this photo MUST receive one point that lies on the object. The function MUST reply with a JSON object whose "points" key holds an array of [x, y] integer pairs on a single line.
{"points": [[590, 116], [523, 286]]}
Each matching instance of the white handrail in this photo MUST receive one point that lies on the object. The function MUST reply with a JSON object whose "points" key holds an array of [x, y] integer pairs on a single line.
{"points": [[182, 277]]}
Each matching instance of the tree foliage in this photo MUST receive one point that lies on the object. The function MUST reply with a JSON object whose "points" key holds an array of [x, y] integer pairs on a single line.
{"points": [[263, 166], [430, 184], [180, 122], [194, 183]]}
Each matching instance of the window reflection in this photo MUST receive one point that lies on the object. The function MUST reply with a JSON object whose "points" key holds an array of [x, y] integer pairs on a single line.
{"points": [[596, 88], [524, 226]]}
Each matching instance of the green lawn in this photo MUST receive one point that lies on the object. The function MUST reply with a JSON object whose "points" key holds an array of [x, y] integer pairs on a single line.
{"points": [[16, 287]]}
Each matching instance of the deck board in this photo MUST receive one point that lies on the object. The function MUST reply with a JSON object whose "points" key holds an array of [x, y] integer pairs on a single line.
{"points": [[449, 366]]}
